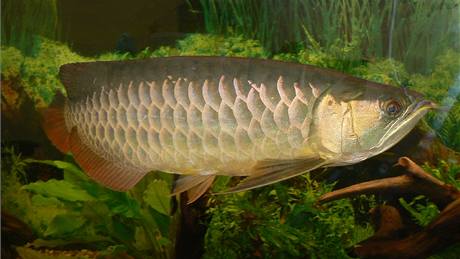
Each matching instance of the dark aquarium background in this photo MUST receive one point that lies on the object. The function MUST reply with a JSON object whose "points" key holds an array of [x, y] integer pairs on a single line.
{"points": [[51, 209]]}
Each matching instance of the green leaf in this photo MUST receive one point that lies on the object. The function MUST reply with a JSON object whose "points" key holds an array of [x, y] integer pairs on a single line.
{"points": [[424, 212], [123, 231], [71, 172], [164, 241], [141, 242], [42, 201], [64, 224], [162, 221], [121, 203], [59, 189], [158, 196], [51, 243]]}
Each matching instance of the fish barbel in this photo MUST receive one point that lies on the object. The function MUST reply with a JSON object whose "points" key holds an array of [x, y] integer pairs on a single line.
{"points": [[207, 116]]}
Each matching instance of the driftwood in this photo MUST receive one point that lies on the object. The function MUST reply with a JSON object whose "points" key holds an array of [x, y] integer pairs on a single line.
{"points": [[388, 242]]}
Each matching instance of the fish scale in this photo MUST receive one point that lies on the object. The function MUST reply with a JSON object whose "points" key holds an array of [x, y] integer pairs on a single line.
{"points": [[192, 125]]}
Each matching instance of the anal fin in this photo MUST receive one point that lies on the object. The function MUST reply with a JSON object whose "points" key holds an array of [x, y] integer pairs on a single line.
{"points": [[271, 171], [194, 185], [107, 173]]}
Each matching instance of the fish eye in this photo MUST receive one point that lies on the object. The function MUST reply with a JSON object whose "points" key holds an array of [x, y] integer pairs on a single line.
{"points": [[392, 108]]}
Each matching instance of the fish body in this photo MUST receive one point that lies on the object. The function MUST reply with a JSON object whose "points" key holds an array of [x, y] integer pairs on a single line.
{"points": [[206, 116]]}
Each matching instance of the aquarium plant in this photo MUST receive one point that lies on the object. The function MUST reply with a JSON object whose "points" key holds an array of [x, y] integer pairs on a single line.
{"points": [[275, 221], [413, 32]]}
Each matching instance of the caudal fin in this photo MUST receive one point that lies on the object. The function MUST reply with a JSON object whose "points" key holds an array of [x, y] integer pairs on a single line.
{"points": [[54, 124], [107, 173]]}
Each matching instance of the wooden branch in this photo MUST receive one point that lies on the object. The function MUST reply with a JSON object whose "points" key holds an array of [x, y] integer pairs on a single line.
{"points": [[442, 232], [439, 234], [382, 185], [415, 180], [387, 222]]}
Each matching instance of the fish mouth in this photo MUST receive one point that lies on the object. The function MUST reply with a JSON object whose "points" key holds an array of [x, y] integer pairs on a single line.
{"points": [[404, 124], [425, 104]]}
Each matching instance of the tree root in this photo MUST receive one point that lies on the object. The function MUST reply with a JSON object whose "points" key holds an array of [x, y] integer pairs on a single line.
{"points": [[387, 242]]}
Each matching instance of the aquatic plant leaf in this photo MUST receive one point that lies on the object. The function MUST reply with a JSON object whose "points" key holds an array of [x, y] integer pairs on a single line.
{"points": [[64, 224], [118, 202], [123, 231], [162, 221], [164, 241], [71, 172], [423, 214], [59, 189], [121, 203], [158, 197], [297, 217], [50, 243], [42, 201], [141, 242]]}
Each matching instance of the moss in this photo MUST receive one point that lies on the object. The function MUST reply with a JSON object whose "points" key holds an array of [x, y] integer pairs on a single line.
{"points": [[160, 52], [236, 46], [386, 71], [11, 61], [339, 56], [112, 56], [209, 45], [39, 73]]}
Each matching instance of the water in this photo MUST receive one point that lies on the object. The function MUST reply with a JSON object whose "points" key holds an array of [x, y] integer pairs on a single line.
{"points": [[49, 203]]}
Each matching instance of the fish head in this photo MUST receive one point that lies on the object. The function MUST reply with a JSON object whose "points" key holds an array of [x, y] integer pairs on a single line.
{"points": [[356, 122]]}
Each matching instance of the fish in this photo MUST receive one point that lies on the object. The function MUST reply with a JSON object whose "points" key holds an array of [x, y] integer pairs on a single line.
{"points": [[200, 117]]}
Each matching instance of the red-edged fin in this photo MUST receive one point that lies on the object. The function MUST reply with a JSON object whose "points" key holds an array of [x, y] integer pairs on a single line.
{"points": [[107, 173], [194, 185], [54, 123], [198, 190], [186, 182]]}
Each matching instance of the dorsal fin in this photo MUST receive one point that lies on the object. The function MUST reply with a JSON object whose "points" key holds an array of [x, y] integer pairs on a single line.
{"points": [[82, 79], [79, 79]]}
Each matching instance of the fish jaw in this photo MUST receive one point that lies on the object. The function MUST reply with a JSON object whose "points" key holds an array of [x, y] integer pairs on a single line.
{"points": [[401, 127]]}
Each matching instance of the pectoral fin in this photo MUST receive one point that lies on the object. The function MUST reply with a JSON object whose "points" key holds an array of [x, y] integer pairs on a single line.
{"points": [[194, 185], [272, 171]]}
